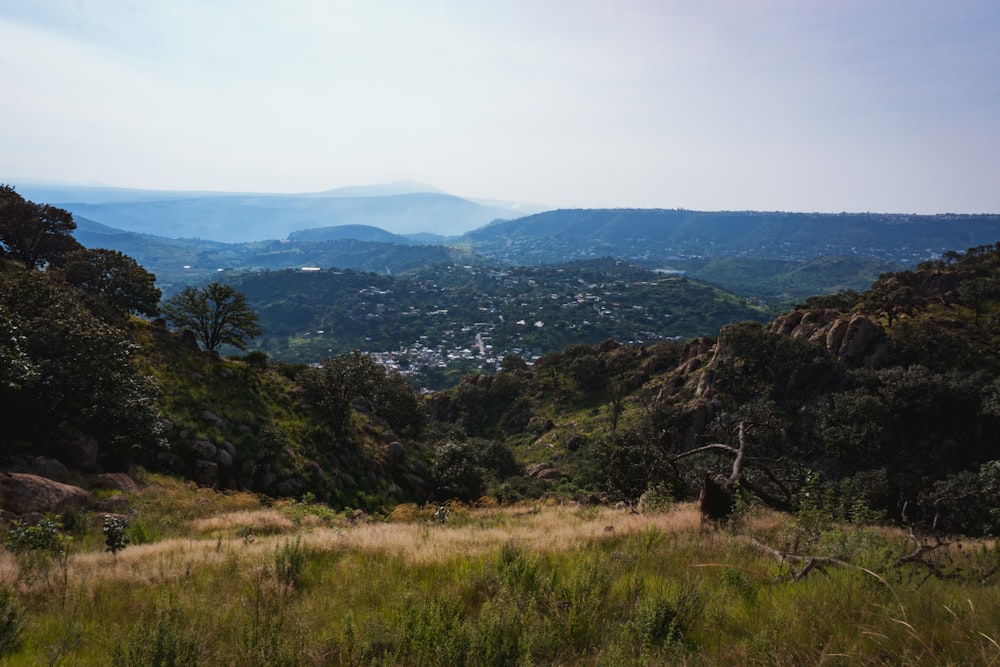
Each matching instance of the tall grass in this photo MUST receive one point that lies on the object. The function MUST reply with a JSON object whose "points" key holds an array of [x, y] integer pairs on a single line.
{"points": [[540, 585]]}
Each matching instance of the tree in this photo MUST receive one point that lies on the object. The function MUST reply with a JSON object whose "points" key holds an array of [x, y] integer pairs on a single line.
{"points": [[892, 295], [356, 379], [65, 373], [114, 283], [217, 313], [36, 234]]}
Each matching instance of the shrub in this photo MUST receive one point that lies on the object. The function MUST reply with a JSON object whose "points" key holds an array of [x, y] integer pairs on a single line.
{"points": [[115, 533], [161, 640], [11, 623]]}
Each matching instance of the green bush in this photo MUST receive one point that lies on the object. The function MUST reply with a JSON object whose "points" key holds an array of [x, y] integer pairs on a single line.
{"points": [[11, 623], [163, 640]]}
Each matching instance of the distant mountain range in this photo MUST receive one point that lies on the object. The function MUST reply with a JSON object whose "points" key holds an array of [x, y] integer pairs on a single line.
{"points": [[400, 208], [659, 235], [397, 228]]}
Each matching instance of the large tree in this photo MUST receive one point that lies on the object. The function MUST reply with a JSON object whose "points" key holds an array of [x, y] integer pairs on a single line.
{"points": [[217, 313], [36, 234], [114, 284], [65, 374]]}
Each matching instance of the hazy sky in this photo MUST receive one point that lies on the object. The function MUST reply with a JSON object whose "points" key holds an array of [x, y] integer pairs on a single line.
{"points": [[814, 105]]}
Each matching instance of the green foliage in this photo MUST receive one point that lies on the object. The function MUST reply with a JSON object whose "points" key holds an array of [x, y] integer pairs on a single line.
{"points": [[36, 234], [70, 373], [217, 313], [115, 284], [340, 384], [464, 469], [12, 623], [163, 639], [116, 535], [44, 536]]}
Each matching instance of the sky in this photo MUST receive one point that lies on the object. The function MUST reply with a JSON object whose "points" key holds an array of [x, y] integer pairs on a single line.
{"points": [[794, 105]]}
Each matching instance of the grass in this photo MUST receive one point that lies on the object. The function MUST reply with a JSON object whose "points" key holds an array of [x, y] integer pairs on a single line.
{"points": [[230, 579]]}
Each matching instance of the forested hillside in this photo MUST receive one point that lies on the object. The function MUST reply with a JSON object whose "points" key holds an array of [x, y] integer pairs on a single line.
{"points": [[442, 313], [881, 401]]}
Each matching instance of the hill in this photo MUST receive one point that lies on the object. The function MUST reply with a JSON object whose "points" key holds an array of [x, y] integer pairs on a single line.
{"points": [[656, 237], [884, 399], [341, 232], [238, 218], [181, 262], [444, 314]]}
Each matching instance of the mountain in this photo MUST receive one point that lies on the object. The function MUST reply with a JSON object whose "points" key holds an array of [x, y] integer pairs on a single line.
{"points": [[657, 236], [241, 217], [180, 262], [341, 232]]}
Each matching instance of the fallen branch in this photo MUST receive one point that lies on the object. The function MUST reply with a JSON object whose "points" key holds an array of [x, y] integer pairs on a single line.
{"points": [[814, 563]]}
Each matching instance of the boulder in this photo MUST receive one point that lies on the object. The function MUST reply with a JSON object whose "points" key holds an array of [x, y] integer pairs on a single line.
{"points": [[544, 471], [224, 458], [43, 466], [861, 336], [209, 416], [189, 340], [205, 449], [395, 452], [117, 481], [22, 493]]}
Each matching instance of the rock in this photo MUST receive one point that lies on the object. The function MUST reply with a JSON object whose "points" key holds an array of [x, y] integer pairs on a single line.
{"points": [[544, 471], [205, 449], [43, 466], [224, 458], [209, 416], [22, 493], [860, 338], [119, 481], [293, 486], [395, 453], [189, 340], [117, 503], [229, 447]]}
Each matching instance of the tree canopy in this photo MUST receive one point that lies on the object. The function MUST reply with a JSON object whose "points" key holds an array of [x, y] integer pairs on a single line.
{"points": [[217, 314], [36, 234], [113, 283]]}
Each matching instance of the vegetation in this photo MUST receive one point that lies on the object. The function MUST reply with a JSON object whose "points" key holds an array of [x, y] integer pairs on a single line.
{"points": [[232, 581], [217, 313], [444, 312], [843, 460]]}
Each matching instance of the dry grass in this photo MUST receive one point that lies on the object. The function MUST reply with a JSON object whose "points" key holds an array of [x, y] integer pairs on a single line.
{"points": [[222, 539], [247, 521]]}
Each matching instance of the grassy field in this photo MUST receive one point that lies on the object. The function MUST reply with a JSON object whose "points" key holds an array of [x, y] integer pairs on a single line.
{"points": [[227, 579]]}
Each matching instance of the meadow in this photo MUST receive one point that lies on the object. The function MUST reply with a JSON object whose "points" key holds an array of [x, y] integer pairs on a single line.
{"points": [[219, 578]]}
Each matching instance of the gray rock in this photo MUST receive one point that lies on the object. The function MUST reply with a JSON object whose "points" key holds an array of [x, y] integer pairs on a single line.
{"points": [[224, 458], [43, 466], [22, 493], [209, 416], [119, 481], [205, 449]]}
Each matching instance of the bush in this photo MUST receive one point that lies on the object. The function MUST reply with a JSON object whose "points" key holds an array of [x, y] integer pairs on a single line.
{"points": [[115, 533], [45, 536], [11, 623], [162, 640]]}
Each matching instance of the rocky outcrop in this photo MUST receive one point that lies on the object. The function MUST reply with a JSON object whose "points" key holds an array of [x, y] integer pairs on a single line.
{"points": [[544, 471], [22, 493], [43, 466], [855, 340]]}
